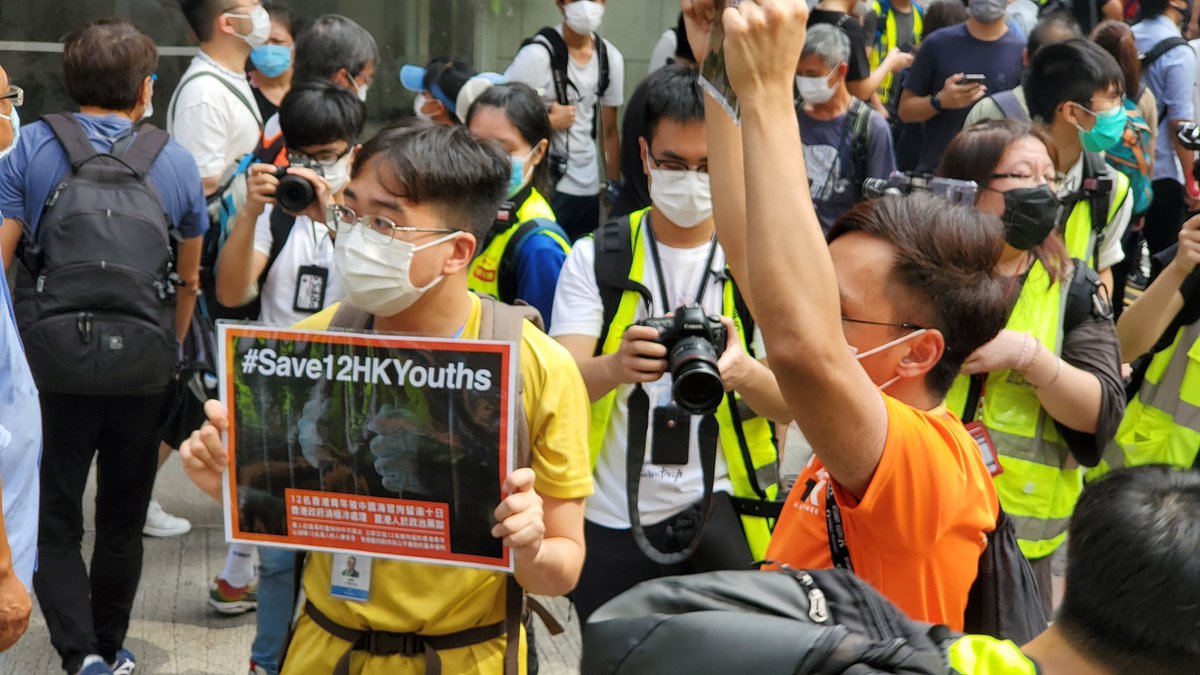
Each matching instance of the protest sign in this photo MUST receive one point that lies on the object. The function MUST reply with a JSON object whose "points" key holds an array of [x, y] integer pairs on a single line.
{"points": [[387, 446]]}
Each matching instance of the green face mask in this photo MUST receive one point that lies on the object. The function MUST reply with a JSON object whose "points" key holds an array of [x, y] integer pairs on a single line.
{"points": [[1110, 127]]}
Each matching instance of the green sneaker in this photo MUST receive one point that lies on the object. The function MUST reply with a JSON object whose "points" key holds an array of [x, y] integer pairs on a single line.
{"points": [[232, 600]]}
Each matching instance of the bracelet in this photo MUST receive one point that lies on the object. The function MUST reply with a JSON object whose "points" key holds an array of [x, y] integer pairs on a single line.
{"points": [[1022, 364], [1057, 372]]}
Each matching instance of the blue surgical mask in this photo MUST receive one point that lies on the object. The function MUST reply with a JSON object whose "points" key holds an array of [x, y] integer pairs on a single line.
{"points": [[15, 120], [271, 60], [517, 179]]}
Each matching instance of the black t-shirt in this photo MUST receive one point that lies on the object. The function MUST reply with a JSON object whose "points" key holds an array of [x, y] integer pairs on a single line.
{"points": [[859, 68], [265, 107], [635, 190], [1190, 290]]}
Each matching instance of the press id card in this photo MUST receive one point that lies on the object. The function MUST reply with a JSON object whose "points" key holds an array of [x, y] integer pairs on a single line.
{"points": [[987, 449], [351, 577]]}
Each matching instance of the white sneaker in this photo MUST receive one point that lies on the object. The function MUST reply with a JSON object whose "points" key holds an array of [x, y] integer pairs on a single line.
{"points": [[159, 523]]}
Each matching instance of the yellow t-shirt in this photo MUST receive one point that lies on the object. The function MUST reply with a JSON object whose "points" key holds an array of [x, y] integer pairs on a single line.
{"points": [[437, 600]]}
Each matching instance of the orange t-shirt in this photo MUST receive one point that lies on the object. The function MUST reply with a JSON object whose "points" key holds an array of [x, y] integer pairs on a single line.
{"points": [[919, 530]]}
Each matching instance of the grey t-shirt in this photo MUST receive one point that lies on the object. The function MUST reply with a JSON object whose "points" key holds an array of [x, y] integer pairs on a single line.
{"points": [[835, 183]]}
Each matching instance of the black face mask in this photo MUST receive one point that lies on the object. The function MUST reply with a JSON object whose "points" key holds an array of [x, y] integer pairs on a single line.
{"points": [[1030, 215]]}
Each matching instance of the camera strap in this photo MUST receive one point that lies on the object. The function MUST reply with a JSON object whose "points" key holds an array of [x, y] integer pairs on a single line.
{"points": [[658, 268], [635, 458], [838, 551]]}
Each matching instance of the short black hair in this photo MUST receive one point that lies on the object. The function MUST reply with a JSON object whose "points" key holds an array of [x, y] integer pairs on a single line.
{"points": [[524, 108], [1133, 582], [106, 62], [449, 76], [281, 12], [672, 93], [1148, 9], [200, 15], [1069, 71], [464, 178], [315, 112], [329, 44], [1052, 29]]}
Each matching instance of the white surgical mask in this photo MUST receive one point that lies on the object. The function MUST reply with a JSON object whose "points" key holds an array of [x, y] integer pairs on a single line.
{"points": [[815, 90], [419, 107], [376, 277], [149, 111], [584, 16], [15, 120], [884, 347], [684, 197], [338, 173], [361, 90], [260, 26]]}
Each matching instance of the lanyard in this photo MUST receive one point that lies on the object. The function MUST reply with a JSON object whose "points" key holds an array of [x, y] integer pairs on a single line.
{"points": [[658, 269]]}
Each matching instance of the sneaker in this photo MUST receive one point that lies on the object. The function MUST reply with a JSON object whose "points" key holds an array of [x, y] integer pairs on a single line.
{"points": [[159, 523], [232, 600], [94, 664], [124, 664]]}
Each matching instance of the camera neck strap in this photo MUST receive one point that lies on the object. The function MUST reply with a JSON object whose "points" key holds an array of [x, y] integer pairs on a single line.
{"points": [[836, 528], [658, 268], [635, 458]]}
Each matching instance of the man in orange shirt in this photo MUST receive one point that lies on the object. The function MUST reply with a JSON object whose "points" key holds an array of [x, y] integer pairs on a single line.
{"points": [[901, 295]]}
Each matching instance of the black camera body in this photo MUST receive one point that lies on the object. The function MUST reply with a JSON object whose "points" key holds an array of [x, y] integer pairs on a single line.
{"points": [[901, 183], [694, 341], [294, 193]]}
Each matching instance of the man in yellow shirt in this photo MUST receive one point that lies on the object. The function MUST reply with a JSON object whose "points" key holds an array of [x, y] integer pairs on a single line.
{"points": [[418, 197]]}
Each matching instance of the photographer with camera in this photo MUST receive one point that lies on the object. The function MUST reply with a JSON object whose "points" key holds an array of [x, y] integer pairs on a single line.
{"points": [[1047, 390], [680, 405]]}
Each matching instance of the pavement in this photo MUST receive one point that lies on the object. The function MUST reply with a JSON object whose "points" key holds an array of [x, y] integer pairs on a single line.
{"points": [[173, 630]]}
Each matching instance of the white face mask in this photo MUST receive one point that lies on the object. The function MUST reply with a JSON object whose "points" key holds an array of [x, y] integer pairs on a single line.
{"points": [[815, 90], [149, 111], [376, 278], [260, 26], [15, 120], [884, 347], [361, 90], [584, 16], [338, 173], [684, 197], [419, 107]]}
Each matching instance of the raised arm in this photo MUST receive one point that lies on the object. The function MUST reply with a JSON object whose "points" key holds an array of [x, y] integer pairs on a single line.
{"points": [[797, 306], [1145, 321]]}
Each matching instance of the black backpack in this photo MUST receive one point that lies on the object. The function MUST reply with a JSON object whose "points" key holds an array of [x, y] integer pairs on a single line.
{"points": [[766, 623], [97, 313]]}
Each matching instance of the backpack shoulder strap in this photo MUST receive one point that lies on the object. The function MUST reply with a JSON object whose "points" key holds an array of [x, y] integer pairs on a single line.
{"points": [[148, 143], [498, 321], [508, 261], [1161, 48], [1086, 297], [553, 43], [613, 260], [860, 137], [602, 55], [71, 136], [282, 223], [1009, 106], [232, 89]]}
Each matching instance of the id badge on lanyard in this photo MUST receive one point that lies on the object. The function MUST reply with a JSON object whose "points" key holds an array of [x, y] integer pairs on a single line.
{"points": [[350, 578]]}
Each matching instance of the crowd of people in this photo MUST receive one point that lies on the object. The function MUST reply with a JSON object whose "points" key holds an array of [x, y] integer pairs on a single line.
{"points": [[912, 250]]}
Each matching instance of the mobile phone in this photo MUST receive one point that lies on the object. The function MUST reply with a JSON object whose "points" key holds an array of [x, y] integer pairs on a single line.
{"points": [[972, 79]]}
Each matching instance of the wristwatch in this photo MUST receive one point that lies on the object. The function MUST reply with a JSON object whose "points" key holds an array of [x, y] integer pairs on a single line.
{"points": [[936, 101]]}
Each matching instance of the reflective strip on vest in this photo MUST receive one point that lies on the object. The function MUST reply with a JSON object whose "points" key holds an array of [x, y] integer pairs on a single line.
{"points": [[1162, 423], [1079, 237], [888, 40], [485, 269], [984, 655], [757, 431], [1041, 482]]}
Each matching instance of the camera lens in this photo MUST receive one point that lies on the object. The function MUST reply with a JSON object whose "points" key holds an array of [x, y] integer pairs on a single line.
{"points": [[697, 387], [294, 193]]}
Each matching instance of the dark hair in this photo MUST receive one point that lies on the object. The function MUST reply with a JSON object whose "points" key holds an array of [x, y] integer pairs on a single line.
{"points": [[315, 112], [1133, 583], [449, 76], [974, 155], [463, 177], [200, 15], [1116, 38], [673, 94], [1148, 9], [525, 110], [943, 14], [1069, 71], [281, 12], [944, 275], [1052, 29], [106, 62], [330, 43]]}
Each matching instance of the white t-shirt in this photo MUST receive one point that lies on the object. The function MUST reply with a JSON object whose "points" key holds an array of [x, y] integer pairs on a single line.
{"points": [[1111, 252], [210, 121], [308, 245], [664, 50], [532, 67], [664, 490]]}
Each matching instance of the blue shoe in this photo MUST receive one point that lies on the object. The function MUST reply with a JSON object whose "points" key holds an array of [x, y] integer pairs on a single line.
{"points": [[124, 663], [94, 665]]}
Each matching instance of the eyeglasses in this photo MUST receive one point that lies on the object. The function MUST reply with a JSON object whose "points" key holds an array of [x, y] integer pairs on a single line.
{"points": [[903, 324], [15, 96], [380, 230], [676, 165], [1052, 178], [324, 159]]}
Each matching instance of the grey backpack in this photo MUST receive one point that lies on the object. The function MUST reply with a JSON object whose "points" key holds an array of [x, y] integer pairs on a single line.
{"points": [[97, 311]]}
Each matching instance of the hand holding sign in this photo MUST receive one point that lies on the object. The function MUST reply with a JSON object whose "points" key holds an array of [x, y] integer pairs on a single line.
{"points": [[204, 455], [520, 517]]}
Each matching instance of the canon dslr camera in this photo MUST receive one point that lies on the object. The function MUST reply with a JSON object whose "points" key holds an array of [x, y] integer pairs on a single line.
{"points": [[694, 341], [295, 193]]}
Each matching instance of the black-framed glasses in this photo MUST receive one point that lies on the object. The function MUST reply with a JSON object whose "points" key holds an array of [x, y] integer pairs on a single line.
{"points": [[676, 165], [903, 324], [324, 159], [380, 230], [15, 96]]}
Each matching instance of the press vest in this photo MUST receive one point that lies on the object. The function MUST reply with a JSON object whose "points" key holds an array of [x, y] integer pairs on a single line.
{"points": [[1041, 482], [886, 39], [984, 655], [1080, 235], [746, 439], [485, 269], [1162, 423]]}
